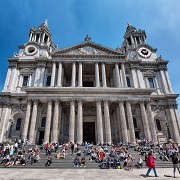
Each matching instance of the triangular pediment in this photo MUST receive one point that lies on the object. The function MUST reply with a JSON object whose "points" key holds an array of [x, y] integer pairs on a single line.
{"points": [[87, 48]]}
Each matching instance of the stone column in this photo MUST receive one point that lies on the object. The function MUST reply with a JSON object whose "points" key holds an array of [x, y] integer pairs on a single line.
{"points": [[168, 81], [173, 124], [73, 78], [107, 122], [134, 76], [53, 74], [80, 75], [151, 122], [6, 84], [55, 122], [59, 78], [97, 74], [42, 76], [140, 78], [103, 75], [72, 121], [13, 78], [130, 122], [80, 123], [99, 123], [26, 121], [37, 76], [3, 121], [48, 122], [164, 82], [123, 75], [33, 123], [145, 121], [117, 75], [123, 121]]}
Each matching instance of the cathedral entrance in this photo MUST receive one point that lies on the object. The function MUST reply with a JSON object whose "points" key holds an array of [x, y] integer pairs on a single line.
{"points": [[89, 132], [41, 137]]}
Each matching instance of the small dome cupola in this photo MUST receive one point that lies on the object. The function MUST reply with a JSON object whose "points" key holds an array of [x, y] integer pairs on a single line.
{"points": [[133, 37], [41, 35]]}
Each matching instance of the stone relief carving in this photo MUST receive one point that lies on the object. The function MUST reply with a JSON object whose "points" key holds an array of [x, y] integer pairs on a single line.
{"points": [[87, 50], [158, 107]]}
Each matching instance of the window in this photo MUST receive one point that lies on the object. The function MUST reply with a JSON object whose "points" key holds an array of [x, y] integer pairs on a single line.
{"points": [[18, 124], [48, 81], [25, 80], [43, 122], [135, 122], [151, 82], [128, 82], [158, 124]]}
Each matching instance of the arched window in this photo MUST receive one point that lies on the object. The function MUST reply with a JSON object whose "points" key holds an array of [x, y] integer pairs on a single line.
{"points": [[158, 124], [43, 122], [134, 122], [128, 82], [18, 124]]}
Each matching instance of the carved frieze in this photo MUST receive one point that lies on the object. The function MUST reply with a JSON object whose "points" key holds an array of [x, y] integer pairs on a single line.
{"points": [[87, 50], [158, 107]]}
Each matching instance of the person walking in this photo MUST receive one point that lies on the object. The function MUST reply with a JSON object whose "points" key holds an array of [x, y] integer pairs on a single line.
{"points": [[151, 165], [175, 162]]}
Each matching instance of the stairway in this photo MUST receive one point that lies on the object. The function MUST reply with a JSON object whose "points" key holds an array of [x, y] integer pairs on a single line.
{"points": [[67, 163]]}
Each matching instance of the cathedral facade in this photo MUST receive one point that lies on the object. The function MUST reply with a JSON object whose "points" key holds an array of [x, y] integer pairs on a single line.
{"points": [[88, 92]]}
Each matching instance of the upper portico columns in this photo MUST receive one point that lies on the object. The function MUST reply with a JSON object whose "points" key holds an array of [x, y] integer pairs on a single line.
{"points": [[80, 75], [73, 78], [117, 75], [59, 78], [97, 74], [104, 83], [53, 74], [123, 75]]}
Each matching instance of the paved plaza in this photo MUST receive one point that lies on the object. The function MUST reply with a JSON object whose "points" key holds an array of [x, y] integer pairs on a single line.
{"points": [[65, 174]]}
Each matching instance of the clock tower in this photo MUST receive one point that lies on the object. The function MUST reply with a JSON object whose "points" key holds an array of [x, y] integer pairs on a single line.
{"points": [[135, 45]]}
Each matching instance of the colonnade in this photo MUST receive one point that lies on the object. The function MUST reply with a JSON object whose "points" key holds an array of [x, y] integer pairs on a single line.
{"points": [[103, 122]]}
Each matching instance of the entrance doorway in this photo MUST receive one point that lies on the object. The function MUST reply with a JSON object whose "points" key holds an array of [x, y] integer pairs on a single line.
{"points": [[41, 137], [137, 134], [89, 132]]}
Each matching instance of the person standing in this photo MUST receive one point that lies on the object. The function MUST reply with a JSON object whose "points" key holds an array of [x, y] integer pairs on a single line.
{"points": [[175, 161], [151, 165]]}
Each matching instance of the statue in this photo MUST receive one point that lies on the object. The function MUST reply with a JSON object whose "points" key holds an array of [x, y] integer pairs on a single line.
{"points": [[45, 23], [87, 38]]}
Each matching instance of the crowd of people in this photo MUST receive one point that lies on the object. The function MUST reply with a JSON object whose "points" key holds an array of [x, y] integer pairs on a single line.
{"points": [[106, 156]]}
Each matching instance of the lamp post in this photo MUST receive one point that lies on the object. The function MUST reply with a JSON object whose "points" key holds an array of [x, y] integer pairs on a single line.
{"points": [[169, 134]]}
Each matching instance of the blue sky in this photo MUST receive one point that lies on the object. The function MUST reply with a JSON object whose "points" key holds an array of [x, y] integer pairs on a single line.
{"points": [[104, 20]]}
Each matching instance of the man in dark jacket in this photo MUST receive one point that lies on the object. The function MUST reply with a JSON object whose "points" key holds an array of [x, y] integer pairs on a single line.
{"points": [[175, 161]]}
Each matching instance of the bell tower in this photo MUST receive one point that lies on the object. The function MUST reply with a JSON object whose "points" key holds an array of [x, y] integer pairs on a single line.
{"points": [[41, 35], [133, 37]]}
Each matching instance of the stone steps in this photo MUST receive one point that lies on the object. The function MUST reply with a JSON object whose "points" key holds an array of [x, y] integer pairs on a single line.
{"points": [[67, 163]]}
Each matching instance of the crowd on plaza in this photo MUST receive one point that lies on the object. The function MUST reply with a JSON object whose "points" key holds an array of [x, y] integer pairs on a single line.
{"points": [[107, 156]]}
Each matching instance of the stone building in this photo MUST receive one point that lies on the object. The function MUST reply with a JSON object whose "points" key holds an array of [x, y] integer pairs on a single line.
{"points": [[88, 92]]}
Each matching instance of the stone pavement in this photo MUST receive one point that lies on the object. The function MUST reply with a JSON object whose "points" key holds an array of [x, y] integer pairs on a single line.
{"points": [[80, 174]]}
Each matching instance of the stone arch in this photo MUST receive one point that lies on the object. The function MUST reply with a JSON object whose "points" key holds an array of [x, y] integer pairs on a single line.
{"points": [[162, 133], [14, 132], [160, 119]]}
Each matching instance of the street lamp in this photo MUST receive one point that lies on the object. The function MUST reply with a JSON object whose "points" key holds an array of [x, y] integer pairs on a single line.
{"points": [[168, 130]]}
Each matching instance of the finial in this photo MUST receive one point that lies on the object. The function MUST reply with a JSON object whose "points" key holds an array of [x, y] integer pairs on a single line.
{"points": [[87, 38], [45, 22], [128, 24]]}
